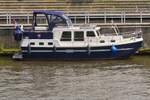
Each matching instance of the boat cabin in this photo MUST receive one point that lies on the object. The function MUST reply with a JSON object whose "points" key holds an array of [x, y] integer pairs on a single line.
{"points": [[75, 36]]}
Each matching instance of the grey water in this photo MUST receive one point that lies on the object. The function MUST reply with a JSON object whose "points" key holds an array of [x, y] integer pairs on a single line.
{"points": [[127, 79]]}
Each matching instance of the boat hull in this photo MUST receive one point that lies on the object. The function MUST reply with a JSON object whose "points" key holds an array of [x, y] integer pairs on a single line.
{"points": [[105, 52]]}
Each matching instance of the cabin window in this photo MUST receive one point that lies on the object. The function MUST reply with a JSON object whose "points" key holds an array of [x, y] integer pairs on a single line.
{"points": [[102, 41], [78, 36], [50, 43], [41, 43], [40, 19], [90, 34], [32, 43], [66, 36]]}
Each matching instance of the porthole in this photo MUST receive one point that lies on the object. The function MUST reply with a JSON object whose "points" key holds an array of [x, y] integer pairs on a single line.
{"points": [[32, 43], [102, 41], [112, 41], [50, 43], [41, 43]]}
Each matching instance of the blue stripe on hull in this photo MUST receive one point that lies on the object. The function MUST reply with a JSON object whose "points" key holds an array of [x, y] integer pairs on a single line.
{"points": [[124, 51]]}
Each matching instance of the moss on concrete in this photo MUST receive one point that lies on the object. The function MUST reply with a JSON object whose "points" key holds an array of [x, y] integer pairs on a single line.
{"points": [[144, 51], [8, 52]]}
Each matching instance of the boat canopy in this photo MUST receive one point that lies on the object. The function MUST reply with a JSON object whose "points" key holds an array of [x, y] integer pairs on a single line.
{"points": [[48, 12], [54, 13]]}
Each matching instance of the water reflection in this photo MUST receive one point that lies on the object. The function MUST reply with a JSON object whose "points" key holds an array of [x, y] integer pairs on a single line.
{"points": [[75, 80]]}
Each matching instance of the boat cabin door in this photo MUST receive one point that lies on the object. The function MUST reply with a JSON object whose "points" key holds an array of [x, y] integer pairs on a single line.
{"points": [[91, 37]]}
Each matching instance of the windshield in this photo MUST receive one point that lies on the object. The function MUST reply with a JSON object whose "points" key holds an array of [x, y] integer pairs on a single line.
{"points": [[107, 31], [60, 20]]}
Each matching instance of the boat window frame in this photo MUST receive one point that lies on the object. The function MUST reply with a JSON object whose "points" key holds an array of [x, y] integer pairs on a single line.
{"points": [[37, 18], [78, 39], [108, 31], [66, 39], [94, 35], [98, 32]]}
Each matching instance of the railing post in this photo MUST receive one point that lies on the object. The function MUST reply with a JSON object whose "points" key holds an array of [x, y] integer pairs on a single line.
{"points": [[7, 18], [28, 19], [85, 19], [105, 21], [121, 17], [88, 18], [124, 17], [75, 19], [141, 17]]}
